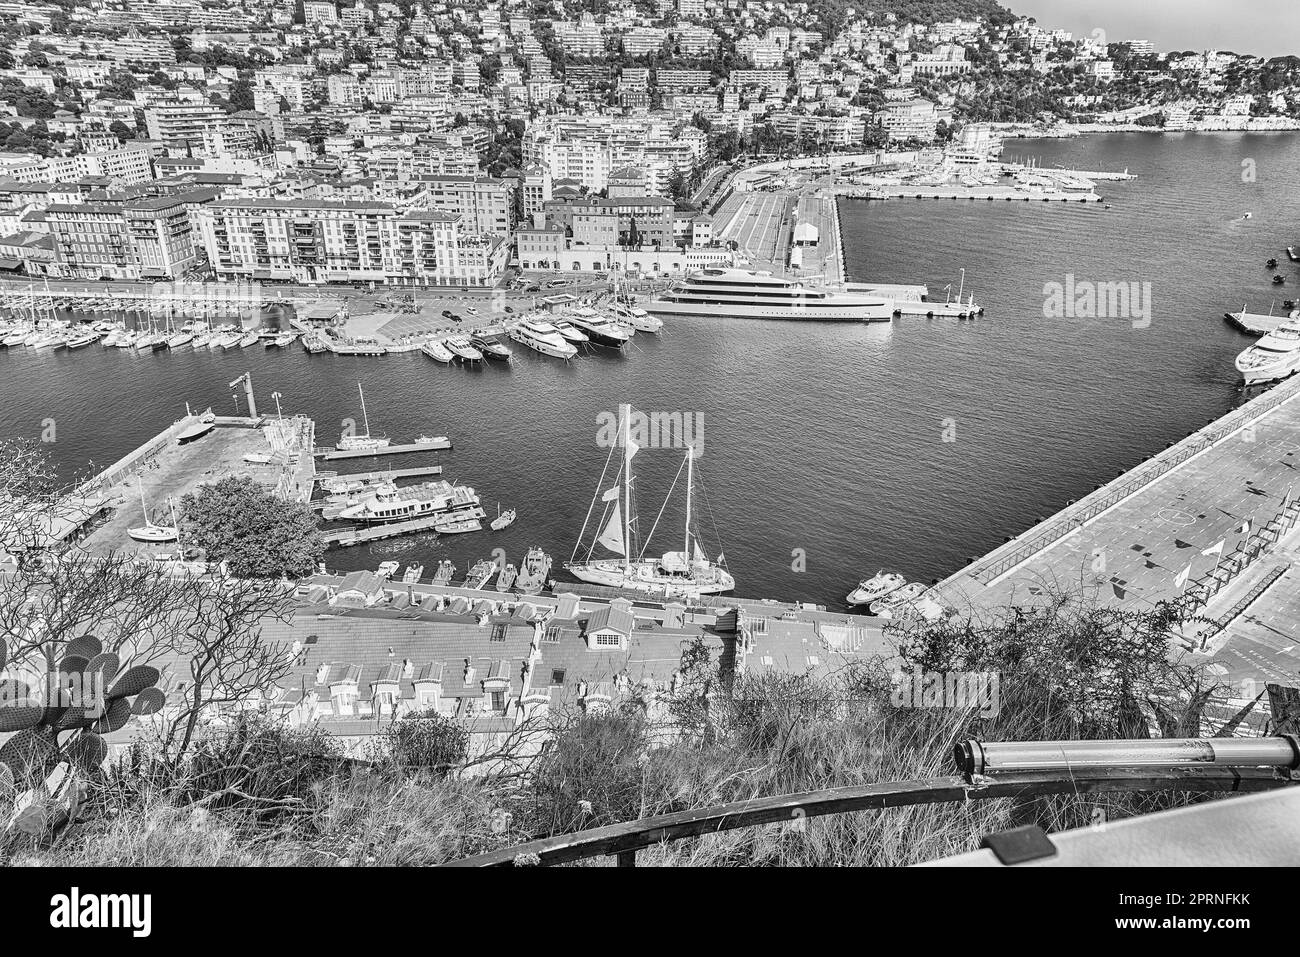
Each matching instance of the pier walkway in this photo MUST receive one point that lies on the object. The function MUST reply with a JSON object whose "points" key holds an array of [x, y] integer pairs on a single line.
{"points": [[1206, 520]]}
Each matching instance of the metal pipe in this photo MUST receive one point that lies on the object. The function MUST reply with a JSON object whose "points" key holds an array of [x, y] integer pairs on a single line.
{"points": [[991, 757]]}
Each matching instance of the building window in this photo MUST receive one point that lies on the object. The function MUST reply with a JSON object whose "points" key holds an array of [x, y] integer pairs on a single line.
{"points": [[557, 676], [498, 701], [498, 632]]}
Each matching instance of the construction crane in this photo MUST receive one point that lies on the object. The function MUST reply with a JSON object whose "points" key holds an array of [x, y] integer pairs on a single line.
{"points": [[247, 379]]}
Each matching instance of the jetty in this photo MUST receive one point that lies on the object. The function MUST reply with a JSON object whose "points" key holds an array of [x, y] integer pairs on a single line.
{"points": [[423, 470], [344, 537], [1254, 323], [330, 455]]}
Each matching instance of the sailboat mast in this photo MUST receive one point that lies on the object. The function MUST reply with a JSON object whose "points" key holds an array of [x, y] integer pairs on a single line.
{"points": [[690, 480], [364, 417], [625, 413]]}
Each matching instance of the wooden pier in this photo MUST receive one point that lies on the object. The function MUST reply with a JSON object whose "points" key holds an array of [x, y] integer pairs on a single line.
{"points": [[360, 536], [331, 454], [326, 477], [1255, 323]]}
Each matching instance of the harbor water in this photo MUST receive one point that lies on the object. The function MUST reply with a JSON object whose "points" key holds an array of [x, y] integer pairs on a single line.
{"points": [[828, 451]]}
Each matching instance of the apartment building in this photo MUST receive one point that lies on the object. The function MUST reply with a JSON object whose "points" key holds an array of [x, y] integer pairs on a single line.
{"points": [[482, 204], [323, 241], [143, 239], [180, 127]]}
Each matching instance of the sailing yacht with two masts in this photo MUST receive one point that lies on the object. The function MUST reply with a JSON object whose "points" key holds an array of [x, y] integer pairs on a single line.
{"points": [[684, 574]]}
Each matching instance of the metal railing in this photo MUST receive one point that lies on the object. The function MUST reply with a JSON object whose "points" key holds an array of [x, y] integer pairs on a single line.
{"points": [[989, 770]]}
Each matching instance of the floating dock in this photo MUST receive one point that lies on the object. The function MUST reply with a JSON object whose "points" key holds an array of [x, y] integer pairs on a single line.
{"points": [[331, 454], [324, 477], [1255, 323], [360, 536]]}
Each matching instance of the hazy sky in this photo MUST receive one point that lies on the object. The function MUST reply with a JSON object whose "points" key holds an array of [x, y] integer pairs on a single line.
{"points": [[1260, 27]]}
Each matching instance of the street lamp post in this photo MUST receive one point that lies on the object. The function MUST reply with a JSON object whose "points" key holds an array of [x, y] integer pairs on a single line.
{"points": [[276, 397]]}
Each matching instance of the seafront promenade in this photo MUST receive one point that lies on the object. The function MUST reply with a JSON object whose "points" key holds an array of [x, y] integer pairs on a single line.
{"points": [[1211, 521]]}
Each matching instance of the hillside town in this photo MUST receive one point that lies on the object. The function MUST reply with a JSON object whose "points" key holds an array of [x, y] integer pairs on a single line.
{"points": [[430, 144]]}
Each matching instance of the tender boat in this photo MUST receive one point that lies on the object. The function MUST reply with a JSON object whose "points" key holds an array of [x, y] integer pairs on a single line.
{"points": [[878, 587], [1273, 357], [445, 573], [412, 574], [542, 337], [600, 329], [437, 351]]}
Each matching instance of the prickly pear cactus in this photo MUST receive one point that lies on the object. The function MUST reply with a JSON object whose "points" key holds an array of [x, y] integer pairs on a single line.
{"points": [[55, 735]]}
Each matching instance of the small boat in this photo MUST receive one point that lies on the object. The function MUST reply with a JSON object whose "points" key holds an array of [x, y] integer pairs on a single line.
{"points": [[229, 340], [257, 458], [153, 533], [571, 333], [638, 319], [888, 606], [455, 526], [446, 571], [601, 329], [197, 430], [202, 340], [282, 340], [437, 351], [82, 340], [870, 589], [503, 519], [127, 340], [46, 341], [1271, 264], [1278, 280], [387, 569], [412, 574], [313, 344], [480, 574], [250, 339], [507, 577], [1292, 255], [536, 569], [16, 338], [430, 439], [180, 339], [491, 348]]}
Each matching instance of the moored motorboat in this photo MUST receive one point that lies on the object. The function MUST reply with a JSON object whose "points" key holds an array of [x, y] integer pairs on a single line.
{"points": [[503, 519], [1274, 357], [543, 337], [600, 329], [886, 606], [570, 332], [878, 586], [438, 352], [462, 349], [492, 348]]}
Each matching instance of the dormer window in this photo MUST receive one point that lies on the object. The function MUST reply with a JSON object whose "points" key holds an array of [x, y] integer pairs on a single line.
{"points": [[499, 632]]}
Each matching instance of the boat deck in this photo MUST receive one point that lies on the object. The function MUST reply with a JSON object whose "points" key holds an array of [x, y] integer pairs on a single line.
{"points": [[330, 455]]}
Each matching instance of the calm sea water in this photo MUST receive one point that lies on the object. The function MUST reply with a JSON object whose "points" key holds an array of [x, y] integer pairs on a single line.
{"points": [[823, 445]]}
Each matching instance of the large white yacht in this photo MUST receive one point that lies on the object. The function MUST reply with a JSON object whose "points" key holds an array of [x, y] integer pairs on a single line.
{"points": [[1273, 357], [543, 337], [393, 504], [760, 295]]}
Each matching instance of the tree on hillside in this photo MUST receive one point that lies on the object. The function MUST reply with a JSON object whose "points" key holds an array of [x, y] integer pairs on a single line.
{"points": [[242, 522]]}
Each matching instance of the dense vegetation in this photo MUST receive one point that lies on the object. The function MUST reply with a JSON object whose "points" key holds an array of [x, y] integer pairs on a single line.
{"points": [[246, 525]]}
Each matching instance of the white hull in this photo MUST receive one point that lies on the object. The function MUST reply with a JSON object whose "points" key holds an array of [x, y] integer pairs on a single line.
{"points": [[881, 311], [646, 577], [564, 350]]}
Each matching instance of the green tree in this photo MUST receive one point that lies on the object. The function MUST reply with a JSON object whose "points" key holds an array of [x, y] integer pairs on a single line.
{"points": [[243, 523]]}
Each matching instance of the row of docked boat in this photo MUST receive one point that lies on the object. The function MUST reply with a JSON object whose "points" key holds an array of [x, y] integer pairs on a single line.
{"points": [[466, 349], [563, 334], [890, 595], [530, 579], [61, 335]]}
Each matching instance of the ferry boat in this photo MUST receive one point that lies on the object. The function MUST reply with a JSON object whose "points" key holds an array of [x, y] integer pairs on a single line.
{"points": [[542, 337], [393, 504], [687, 573], [742, 294], [353, 443], [879, 586], [1274, 357], [600, 329]]}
